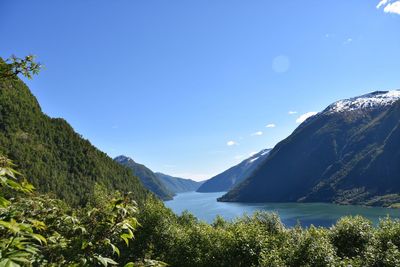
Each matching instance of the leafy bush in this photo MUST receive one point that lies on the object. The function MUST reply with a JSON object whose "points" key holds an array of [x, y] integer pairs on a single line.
{"points": [[45, 231], [351, 236], [110, 230]]}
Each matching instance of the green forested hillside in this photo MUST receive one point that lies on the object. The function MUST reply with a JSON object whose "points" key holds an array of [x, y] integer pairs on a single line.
{"points": [[147, 176], [51, 154]]}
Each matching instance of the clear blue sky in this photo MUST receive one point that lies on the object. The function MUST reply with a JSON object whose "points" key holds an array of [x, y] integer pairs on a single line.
{"points": [[170, 83]]}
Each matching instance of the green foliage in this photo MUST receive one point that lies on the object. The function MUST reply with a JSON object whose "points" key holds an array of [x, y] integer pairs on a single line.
{"points": [[38, 230], [351, 236], [19, 244], [45, 231], [261, 240], [148, 178], [25, 66], [53, 157], [108, 228], [8, 180]]}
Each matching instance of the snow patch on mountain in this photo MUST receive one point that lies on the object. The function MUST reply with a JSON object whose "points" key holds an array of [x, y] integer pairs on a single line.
{"points": [[265, 152], [254, 159], [369, 101], [262, 154]]}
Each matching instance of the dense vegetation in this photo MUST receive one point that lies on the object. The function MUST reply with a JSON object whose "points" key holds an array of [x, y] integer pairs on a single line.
{"points": [[262, 240], [148, 177], [38, 230], [42, 231], [349, 157], [52, 156], [110, 229]]}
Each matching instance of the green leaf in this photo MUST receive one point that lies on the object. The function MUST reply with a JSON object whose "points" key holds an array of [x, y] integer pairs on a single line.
{"points": [[12, 226], [85, 244], [37, 224], [105, 261], [39, 238], [115, 249], [8, 263], [20, 257], [4, 202], [127, 236]]}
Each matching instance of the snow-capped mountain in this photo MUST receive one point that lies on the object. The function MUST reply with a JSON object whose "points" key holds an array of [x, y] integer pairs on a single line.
{"points": [[349, 154], [233, 176], [368, 101]]}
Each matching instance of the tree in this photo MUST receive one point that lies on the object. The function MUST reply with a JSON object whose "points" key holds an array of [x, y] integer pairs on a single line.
{"points": [[14, 66], [19, 244]]}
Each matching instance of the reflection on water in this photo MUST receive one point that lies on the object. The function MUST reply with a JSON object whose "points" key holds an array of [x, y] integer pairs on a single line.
{"points": [[205, 207]]}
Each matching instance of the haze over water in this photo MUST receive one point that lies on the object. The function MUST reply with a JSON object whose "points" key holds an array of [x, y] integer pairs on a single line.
{"points": [[205, 207]]}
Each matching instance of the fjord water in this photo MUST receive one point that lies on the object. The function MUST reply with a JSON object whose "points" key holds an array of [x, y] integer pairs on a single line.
{"points": [[205, 207]]}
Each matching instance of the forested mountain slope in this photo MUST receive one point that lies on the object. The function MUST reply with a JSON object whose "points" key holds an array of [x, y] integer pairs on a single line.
{"points": [[147, 176], [51, 154], [349, 153]]}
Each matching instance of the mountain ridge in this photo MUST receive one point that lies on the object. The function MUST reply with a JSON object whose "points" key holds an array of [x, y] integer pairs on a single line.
{"points": [[333, 157], [147, 176], [177, 184], [49, 152], [234, 175]]}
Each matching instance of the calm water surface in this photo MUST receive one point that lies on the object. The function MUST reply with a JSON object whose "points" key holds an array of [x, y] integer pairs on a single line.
{"points": [[205, 207]]}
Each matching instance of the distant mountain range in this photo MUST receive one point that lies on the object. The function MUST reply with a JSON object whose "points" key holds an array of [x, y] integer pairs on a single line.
{"points": [[147, 176], [233, 176], [178, 185], [349, 153], [164, 186]]}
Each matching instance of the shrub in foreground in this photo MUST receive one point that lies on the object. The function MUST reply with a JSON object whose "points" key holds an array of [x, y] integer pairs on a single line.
{"points": [[38, 230]]}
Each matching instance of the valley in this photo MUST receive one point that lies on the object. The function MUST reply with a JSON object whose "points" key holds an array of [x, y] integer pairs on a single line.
{"points": [[199, 133]]}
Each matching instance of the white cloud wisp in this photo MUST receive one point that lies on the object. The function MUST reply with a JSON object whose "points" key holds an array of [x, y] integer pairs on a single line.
{"points": [[231, 143], [389, 6], [259, 133]]}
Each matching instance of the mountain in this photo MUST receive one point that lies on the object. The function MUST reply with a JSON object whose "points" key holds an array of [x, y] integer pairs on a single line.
{"points": [[147, 176], [233, 176], [178, 185], [349, 154], [52, 156]]}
